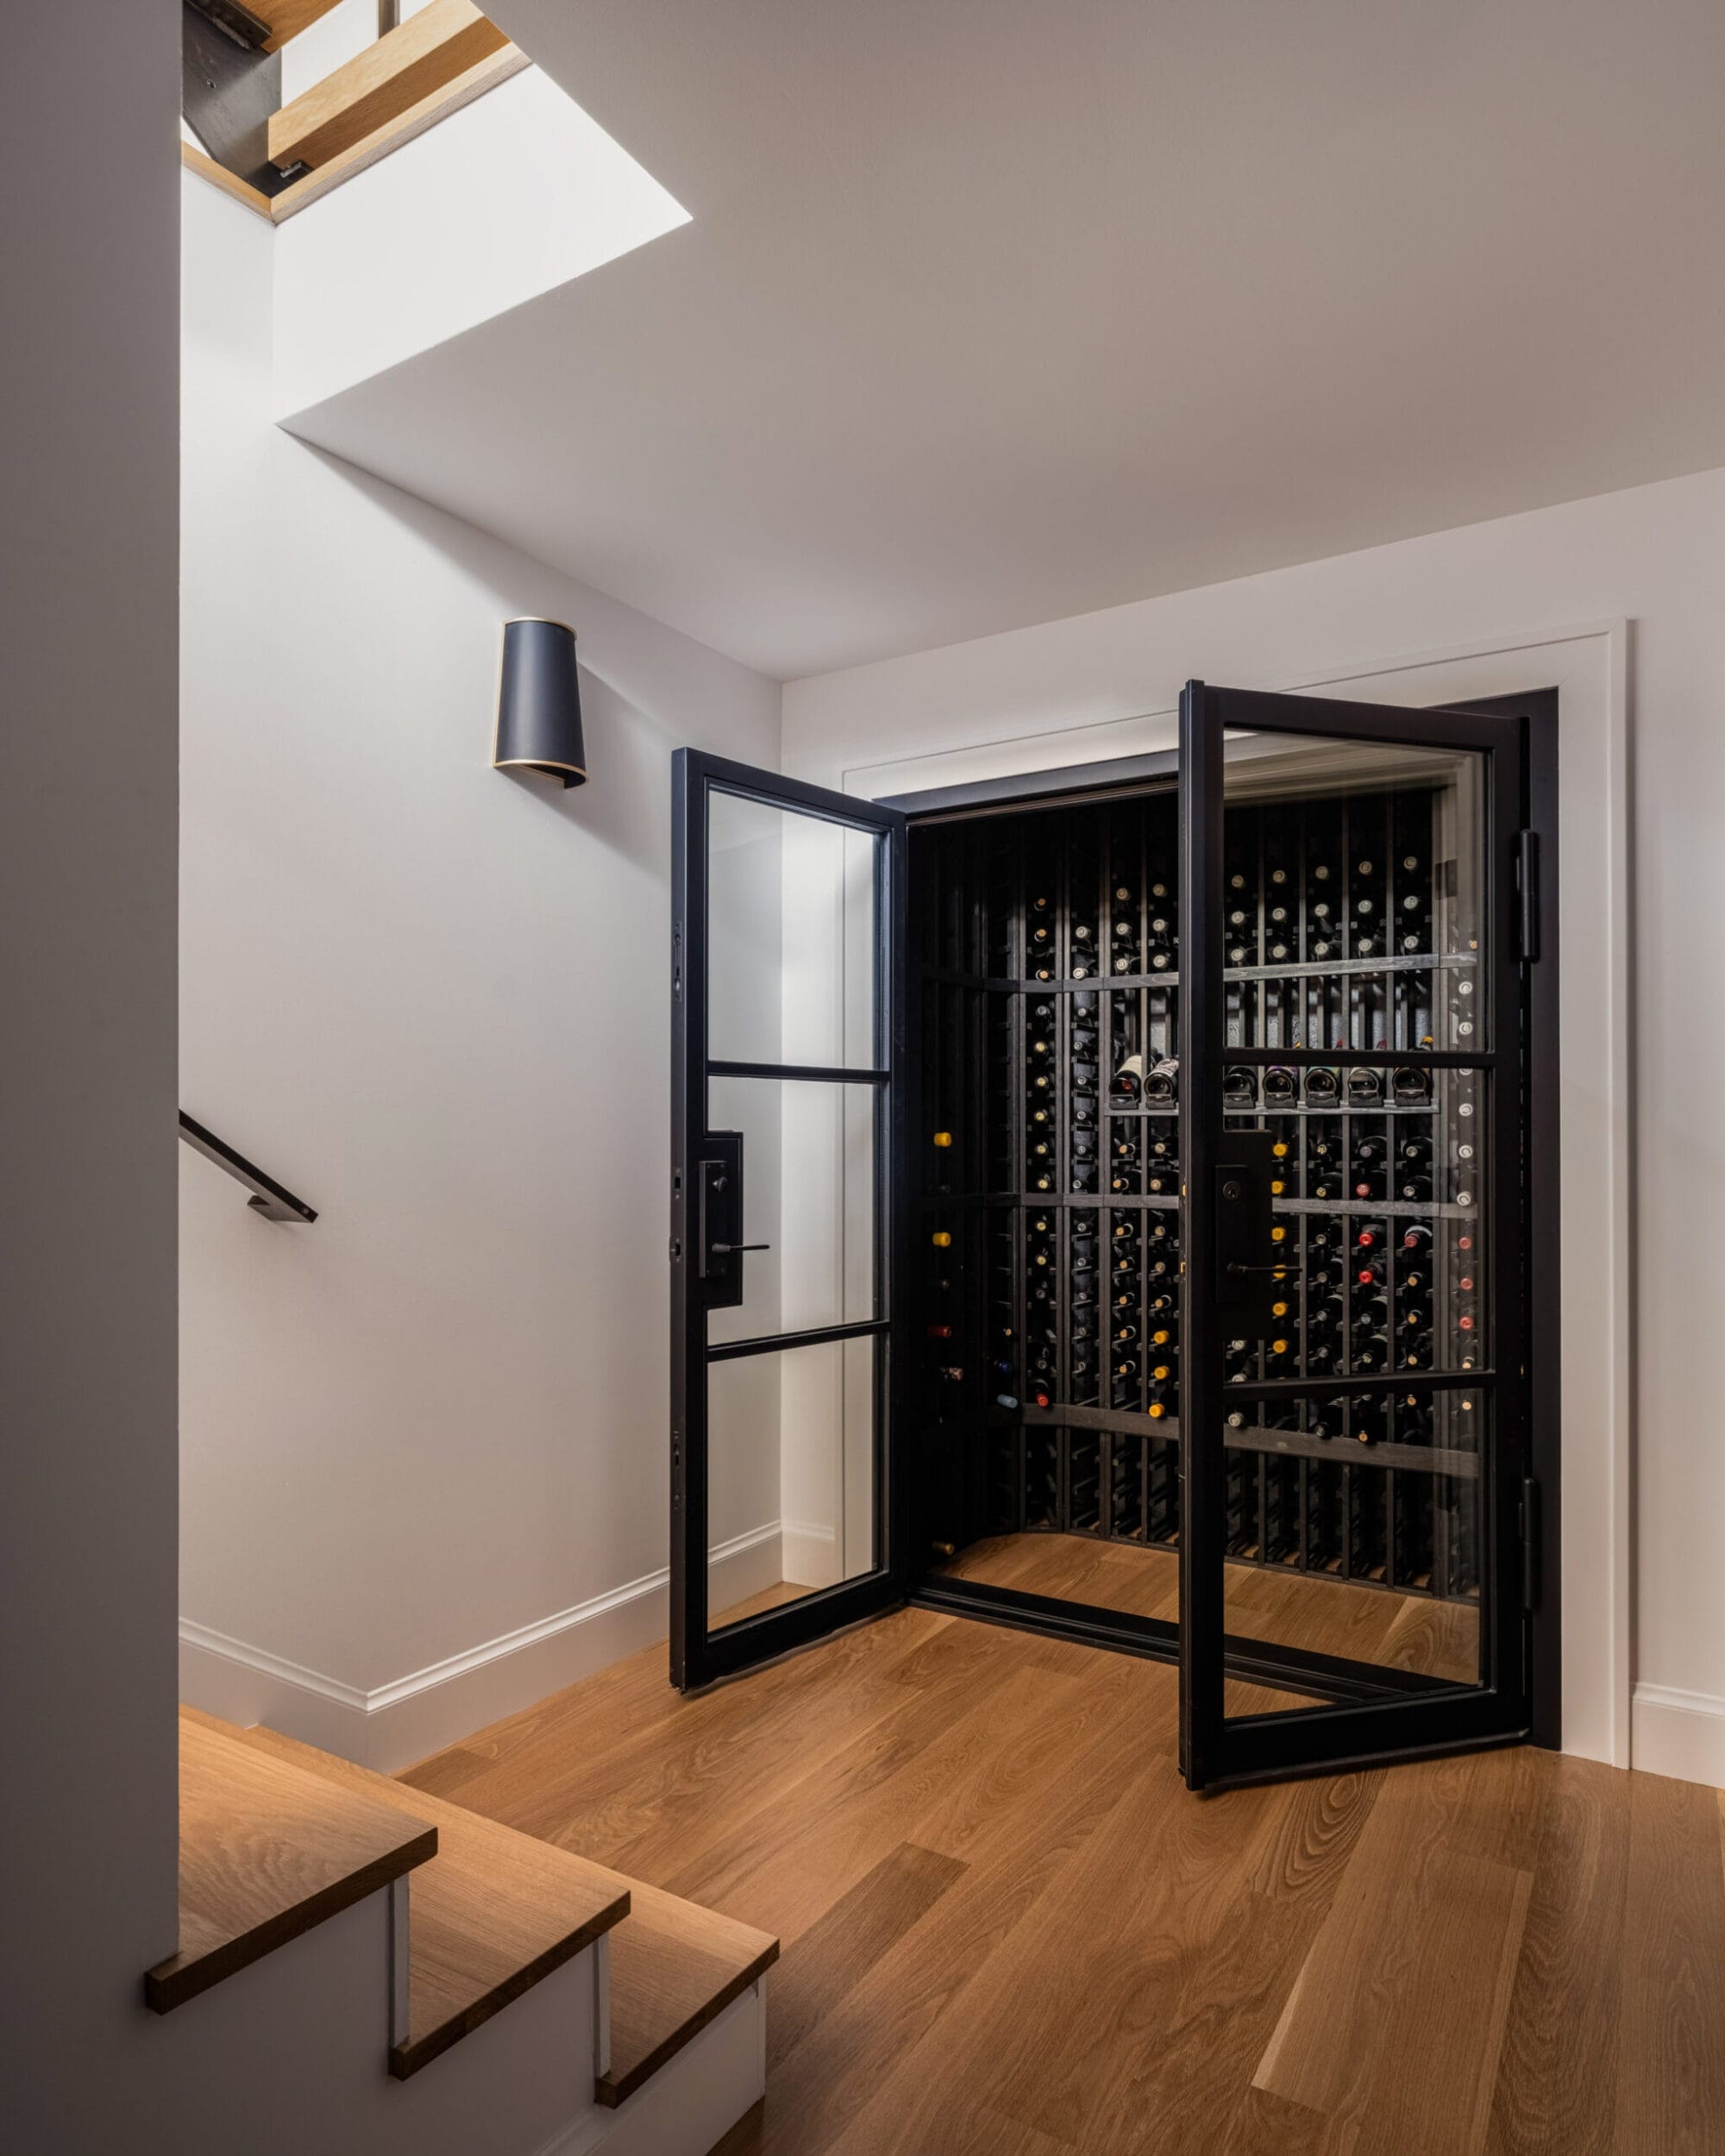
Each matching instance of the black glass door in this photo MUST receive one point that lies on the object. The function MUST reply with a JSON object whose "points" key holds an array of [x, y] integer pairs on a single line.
{"points": [[787, 1026], [1354, 1413]]}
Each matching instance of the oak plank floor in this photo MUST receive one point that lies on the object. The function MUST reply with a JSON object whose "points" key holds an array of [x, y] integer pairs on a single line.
{"points": [[1285, 1609], [1009, 1931]]}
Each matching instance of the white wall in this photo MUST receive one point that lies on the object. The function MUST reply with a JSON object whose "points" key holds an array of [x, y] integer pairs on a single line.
{"points": [[1656, 555], [89, 235], [514, 195], [432, 998]]}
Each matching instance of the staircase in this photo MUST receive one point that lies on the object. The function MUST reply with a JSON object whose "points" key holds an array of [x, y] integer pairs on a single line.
{"points": [[278, 1838]]}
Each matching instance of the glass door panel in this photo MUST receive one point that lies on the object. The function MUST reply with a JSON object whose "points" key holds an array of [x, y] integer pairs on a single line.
{"points": [[787, 1027], [1352, 1410], [790, 1476], [809, 1203]]}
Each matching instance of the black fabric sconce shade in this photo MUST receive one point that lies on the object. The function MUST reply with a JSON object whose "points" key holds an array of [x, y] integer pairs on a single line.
{"points": [[539, 703]]}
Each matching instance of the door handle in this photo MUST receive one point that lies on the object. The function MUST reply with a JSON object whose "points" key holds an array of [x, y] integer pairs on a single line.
{"points": [[719, 1219], [1243, 1228]]}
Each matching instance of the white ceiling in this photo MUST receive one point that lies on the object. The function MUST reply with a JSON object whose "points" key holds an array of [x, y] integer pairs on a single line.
{"points": [[995, 311]]}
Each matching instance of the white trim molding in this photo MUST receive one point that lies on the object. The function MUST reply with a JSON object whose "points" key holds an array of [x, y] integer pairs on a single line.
{"points": [[391, 1726], [1588, 663], [1679, 1733]]}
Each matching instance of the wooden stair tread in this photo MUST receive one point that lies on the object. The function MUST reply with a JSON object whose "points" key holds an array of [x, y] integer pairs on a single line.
{"points": [[407, 64], [675, 1967], [267, 1852], [496, 1913], [287, 18]]}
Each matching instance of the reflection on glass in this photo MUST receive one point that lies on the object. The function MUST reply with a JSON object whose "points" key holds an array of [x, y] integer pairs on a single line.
{"points": [[791, 1452], [808, 1155], [1359, 1517], [792, 956], [1353, 895]]}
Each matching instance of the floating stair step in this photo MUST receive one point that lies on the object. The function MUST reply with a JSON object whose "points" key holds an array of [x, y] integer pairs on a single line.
{"points": [[286, 18], [267, 1852], [494, 1915], [675, 1967], [409, 63]]}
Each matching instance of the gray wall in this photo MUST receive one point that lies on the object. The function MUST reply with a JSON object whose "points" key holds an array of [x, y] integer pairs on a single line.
{"points": [[88, 574]]}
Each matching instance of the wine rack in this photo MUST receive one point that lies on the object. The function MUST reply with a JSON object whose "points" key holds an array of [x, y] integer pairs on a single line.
{"points": [[1048, 984]]}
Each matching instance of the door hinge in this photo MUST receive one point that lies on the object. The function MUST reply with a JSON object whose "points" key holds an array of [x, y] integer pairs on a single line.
{"points": [[1530, 1543], [1527, 892]]}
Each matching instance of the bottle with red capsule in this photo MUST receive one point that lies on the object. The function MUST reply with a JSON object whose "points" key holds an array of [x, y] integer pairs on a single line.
{"points": [[1368, 1259]]}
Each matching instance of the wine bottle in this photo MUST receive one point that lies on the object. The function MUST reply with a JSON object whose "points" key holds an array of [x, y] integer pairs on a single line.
{"points": [[1163, 1081], [1128, 1079], [1279, 1087]]}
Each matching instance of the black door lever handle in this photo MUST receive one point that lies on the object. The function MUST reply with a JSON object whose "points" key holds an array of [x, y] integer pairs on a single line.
{"points": [[1277, 1269], [732, 1249]]}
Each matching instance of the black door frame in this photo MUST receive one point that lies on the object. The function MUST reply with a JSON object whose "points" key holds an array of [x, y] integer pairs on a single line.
{"points": [[699, 1656], [1217, 1750], [1319, 1677]]}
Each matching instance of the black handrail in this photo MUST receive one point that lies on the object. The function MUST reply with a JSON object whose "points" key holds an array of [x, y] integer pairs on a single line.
{"points": [[267, 1197]]}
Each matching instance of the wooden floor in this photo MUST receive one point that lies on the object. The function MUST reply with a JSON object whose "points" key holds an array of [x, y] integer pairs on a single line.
{"points": [[1009, 1931], [1285, 1609]]}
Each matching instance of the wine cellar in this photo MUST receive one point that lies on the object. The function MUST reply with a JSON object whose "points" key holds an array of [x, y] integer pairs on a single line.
{"points": [[1047, 955], [1170, 1147]]}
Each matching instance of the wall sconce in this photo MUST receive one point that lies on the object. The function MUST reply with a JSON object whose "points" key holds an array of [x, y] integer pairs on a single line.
{"points": [[539, 703]]}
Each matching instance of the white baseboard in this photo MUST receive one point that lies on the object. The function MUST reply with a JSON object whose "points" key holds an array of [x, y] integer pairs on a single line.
{"points": [[1678, 1734], [389, 1729], [810, 1553]]}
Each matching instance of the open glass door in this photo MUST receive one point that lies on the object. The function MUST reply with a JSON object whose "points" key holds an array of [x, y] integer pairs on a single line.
{"points": [[1354, 1400], [786, 1052]]}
